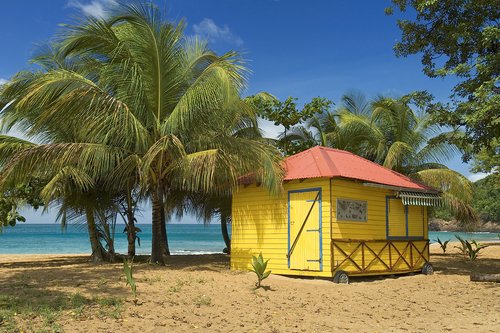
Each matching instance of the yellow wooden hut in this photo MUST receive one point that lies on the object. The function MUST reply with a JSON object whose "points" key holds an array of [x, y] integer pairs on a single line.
{"points": [[339, 215]]}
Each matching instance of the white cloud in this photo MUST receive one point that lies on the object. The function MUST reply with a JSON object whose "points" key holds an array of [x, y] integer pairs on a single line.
{"points": [[96, 8], [474, 177], [213, 33], [2, 81]]}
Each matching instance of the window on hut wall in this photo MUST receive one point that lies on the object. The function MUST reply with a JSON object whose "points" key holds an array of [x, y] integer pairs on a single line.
{"points": [[352, 210]]}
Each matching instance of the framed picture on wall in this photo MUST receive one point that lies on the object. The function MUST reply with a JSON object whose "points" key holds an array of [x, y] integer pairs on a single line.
{"points": [[352, 210]]}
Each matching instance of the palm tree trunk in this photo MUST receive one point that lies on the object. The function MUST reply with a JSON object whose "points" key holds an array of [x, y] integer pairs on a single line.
{"points": [[97, 251], [224, 218], [158, 244], [110, 255], [131, 233], [164, 232], [131, 230]]}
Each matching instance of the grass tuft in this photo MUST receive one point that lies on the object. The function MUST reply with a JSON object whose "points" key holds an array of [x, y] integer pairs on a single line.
{"points": [[202, 300], [40, 311]]}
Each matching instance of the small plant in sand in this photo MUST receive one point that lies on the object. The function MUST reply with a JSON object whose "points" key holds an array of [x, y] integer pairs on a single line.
{"points": [[259, 268], [470, 249], [463, 246], [443, 244], [473, 249], [128, 267]]}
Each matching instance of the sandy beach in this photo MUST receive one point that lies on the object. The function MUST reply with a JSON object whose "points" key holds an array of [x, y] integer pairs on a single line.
{"points": [[56, 293]]}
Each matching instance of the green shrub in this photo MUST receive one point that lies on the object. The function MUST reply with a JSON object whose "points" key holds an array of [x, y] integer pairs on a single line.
{"points": [[259, 268]]}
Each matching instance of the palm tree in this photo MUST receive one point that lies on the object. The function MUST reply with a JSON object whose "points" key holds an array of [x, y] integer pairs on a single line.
{"points": [[70, 188], [207, 207], [406, 141], [389, 132], [150, 105]]}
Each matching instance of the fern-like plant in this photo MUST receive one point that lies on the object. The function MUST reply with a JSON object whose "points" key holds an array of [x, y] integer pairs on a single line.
{"points": [[469, 249], [259, 267], [463, 245], [473, 249], [128, 268], [443, 244]]}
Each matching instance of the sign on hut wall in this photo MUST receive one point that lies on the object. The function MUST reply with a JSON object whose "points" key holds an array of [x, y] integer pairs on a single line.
{"points": [[352, 210]]}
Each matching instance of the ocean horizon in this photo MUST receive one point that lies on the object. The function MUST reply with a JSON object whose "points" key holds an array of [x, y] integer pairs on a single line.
{"points": [[37, 238], [183, 239]]}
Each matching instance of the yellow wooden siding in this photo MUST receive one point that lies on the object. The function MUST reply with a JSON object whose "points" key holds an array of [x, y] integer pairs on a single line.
{"points": [[415, 221], [260, 224], [426, 223], [374, 227], [397, 218]]}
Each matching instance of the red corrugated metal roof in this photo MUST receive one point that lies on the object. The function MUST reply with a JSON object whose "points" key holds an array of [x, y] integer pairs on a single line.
{"points": [[321, 162]]}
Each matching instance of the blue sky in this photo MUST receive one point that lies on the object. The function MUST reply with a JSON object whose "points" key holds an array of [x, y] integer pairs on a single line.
{"points": [[294, 48]]}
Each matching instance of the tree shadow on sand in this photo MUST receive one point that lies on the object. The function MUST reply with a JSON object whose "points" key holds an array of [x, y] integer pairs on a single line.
{"points": [[455, 264], [35, 295], [206, 262]]}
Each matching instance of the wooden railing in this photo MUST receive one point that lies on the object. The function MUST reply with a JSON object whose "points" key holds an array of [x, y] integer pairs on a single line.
{"points": [[379, 256]]}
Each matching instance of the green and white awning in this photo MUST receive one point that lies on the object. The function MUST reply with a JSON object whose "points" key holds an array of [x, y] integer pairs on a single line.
{"points": [[419, 199]]}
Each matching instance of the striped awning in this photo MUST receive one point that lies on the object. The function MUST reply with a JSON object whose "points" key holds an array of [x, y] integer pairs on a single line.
{"points": [[419, 199]]}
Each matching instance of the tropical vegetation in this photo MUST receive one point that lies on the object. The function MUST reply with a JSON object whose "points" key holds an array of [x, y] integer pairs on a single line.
{"points": [[128, 107], [458, 39], [127, 110], [393, 132], [487, 198], [259, 266]]}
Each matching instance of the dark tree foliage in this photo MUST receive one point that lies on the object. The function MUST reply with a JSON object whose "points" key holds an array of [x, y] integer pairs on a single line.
{"points": [[487, 198], [287, 114], [12, 199], [458, 38]]}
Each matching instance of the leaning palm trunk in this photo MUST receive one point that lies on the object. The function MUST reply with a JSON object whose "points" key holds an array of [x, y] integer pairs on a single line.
{"points": [[97, 250], [107, 233]]}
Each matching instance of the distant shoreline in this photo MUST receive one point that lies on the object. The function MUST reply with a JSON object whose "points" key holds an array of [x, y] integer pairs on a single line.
{"points": [[453, 226]]}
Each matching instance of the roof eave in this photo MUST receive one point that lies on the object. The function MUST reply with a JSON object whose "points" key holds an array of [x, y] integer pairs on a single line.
{"points": [[400, 188]]}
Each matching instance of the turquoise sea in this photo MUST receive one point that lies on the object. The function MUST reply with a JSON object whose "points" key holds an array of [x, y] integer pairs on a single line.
{"points": [[183, 239], [50, 239]]}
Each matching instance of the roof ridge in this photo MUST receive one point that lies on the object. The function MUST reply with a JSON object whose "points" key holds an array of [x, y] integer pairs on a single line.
{"points": [[372, 162], [328, 162]]}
